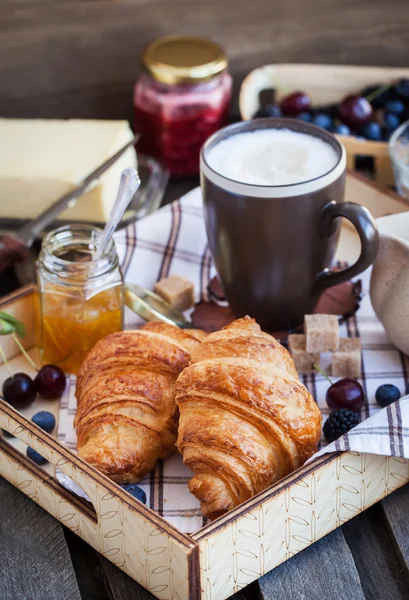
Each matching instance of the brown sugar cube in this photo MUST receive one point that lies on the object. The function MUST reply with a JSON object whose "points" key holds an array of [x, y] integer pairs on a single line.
{"points": [[346, 361], [322, 333], [303, 360], [177, 291]]}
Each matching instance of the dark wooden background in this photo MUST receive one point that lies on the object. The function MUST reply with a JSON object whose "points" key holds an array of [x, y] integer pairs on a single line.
{"points": [[80, 58]]}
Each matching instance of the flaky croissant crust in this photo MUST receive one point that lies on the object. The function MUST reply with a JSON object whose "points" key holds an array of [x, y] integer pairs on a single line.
{"points": [[127, 416], [246, 420]]}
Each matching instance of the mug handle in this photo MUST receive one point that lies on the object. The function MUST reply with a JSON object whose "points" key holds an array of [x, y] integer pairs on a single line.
{"points": [[364, 223]]}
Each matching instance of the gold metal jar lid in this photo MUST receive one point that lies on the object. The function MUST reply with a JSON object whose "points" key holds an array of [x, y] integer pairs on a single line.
{"points": [[178, 59]]}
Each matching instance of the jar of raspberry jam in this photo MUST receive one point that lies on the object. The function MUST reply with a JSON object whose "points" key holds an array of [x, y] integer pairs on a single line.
{"points": [[181, 98]]}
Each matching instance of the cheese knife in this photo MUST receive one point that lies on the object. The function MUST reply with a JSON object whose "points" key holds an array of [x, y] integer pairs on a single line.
{"points": [[15, 246]]}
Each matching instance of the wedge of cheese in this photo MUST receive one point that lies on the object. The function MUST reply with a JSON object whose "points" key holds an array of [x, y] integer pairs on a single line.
{"points": [[42, 159]]}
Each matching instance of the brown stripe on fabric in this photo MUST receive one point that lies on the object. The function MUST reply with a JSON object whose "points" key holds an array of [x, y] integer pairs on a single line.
{"points": [[404, 370], [152, 488], [399, 430], [354, 322], [169, 250], [391, 436], [157, 247], [130, 245], [160, 484], [310, 383], [176, 215]]}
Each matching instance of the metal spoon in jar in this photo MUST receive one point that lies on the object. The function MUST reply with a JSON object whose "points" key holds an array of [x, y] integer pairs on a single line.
{"points": [[142, 301], [128, 185]]}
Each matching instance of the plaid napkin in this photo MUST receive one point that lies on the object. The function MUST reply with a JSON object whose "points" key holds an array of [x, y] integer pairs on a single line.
{"points": [[173, 241]]}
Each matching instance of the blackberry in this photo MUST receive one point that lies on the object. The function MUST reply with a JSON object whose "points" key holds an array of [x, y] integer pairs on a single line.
{"points": [[270, 110], [339, 422]]}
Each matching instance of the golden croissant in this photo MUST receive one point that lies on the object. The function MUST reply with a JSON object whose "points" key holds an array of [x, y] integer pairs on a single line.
{"points": [[246, 420], [127, 416]]}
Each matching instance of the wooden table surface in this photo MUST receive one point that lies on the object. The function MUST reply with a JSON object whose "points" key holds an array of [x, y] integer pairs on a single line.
{"points": [[79, 58]]}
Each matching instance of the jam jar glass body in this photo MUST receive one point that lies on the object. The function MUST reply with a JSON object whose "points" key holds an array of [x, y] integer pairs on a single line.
{"points": [[79, 297], [180, 100]]}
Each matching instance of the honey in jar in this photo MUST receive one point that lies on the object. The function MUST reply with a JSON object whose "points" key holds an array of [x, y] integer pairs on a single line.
{"points": [[79, 298]]}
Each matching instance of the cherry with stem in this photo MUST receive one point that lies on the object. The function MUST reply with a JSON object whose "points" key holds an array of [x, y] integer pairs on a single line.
{"points": [[344, 393]]}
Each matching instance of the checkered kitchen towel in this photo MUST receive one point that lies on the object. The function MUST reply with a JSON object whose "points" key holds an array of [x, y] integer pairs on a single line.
{"points": [[173, 241]]}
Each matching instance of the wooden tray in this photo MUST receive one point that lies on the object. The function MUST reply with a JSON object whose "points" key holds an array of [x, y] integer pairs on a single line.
{"points": [[234, 550], [326, 84]]}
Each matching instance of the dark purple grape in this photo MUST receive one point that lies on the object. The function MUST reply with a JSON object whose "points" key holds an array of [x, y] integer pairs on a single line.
{"points": [[295, 103], [19, 390], [50, 381], [355, 111], [345, 393]]}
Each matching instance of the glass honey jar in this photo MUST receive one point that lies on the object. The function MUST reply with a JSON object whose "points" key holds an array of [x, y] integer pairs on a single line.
{"points": [[79, 297]]}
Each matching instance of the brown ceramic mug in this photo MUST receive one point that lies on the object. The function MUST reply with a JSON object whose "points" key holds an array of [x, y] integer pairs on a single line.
{"points": [[273, 246]]}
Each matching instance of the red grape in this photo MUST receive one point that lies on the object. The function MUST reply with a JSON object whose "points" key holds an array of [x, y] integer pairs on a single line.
{"points": [[345, 393], [19, 390], [355, 111], [295, 103], [50, 381]]}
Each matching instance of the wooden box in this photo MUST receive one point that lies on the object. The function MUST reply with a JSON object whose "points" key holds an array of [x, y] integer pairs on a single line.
{"points": [[234, 550], [326, 84]]}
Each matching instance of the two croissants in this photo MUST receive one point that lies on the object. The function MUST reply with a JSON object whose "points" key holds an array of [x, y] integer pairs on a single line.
{"points": [[231, 401]]}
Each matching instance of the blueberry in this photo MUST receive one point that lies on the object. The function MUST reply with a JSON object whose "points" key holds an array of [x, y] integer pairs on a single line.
{"points": [[36, 457], [372, 131], [341, 129], [270, 110], [322, 120], [395, 107], [402, 89], [45, 420], [304, 116], [135, 491], [386, 394], [391, 121]]}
